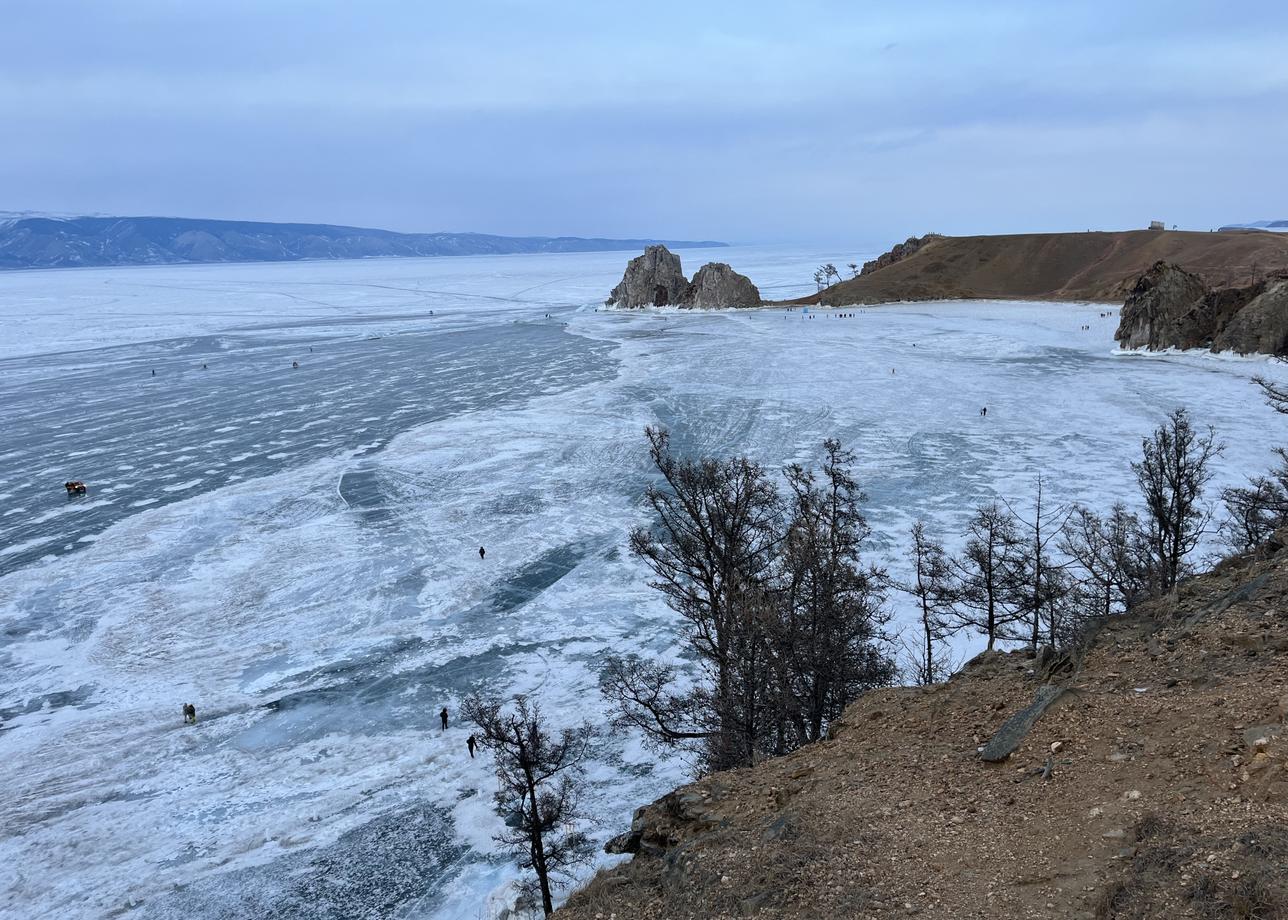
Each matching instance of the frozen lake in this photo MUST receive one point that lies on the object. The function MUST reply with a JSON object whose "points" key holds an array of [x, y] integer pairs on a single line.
{"points": [[295, 550]]}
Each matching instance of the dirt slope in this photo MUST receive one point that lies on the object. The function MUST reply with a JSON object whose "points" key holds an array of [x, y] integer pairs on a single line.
{"points": [[1058, 266], [1168, 798]]}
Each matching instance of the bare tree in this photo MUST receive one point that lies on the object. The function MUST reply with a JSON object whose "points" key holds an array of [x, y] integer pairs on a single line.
{"points": [[1174, 468], [987, 572], [818, 279], [1037, 573], [1108, 555], [932, 586], [538, 785], [830, 604], [1275, 394], [830, 272], [854, 269], [781, 617], [710, 550], [1255, 511]]}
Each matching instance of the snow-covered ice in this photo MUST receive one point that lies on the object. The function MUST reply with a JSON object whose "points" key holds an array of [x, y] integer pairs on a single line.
{"points": [[295, 550]]}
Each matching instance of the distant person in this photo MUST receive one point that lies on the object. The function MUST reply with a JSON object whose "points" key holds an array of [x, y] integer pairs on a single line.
{"points": [[203, 367], [482, 553], [984, 412], [295, 364], [189, 714], [471, 744], [443, 717], [154, 372]]}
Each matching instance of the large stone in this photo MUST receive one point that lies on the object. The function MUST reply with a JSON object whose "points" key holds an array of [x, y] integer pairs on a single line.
{"points": [[1012, 732], [1171, 308], [1261, 327], [628, 842], [654, 279], [717, 285], [1165, 309]]}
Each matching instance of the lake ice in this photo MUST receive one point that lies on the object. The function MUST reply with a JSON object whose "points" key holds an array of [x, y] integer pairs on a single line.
{"points": [[295, 550]]}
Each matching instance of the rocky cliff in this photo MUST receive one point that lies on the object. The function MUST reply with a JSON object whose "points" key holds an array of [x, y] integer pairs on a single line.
{"points": [[1154, 785], [1169, 307], [656, 279]]}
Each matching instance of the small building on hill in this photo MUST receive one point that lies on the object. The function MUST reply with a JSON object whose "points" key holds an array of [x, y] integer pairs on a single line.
{"points": [[1156, 225]]}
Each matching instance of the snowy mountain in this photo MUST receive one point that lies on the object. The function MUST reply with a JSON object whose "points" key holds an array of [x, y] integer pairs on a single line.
{"points": [[28, 241]]}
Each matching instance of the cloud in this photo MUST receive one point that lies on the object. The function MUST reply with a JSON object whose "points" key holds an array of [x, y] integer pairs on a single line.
{"points": [[735, 120]]}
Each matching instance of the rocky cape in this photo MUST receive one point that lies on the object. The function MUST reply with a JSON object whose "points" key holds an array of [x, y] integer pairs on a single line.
{"points": [[1092, 266], [656, 279], [1152, 783], [1170, 307], [66, 242]]}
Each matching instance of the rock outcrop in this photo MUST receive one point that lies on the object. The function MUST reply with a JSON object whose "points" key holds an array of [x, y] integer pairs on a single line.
{"points": [[718, 285], [1165, 309], [1169, 307], [656, 279], [1261, 327], [898, 252]]}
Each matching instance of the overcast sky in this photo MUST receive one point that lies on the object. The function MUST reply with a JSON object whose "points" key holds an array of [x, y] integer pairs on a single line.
{"points": [[746, 121]]}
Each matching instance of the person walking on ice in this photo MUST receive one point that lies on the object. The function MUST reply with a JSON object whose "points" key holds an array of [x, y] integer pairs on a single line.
{"points": [[443, 716], [471, 743], [482, 552]]}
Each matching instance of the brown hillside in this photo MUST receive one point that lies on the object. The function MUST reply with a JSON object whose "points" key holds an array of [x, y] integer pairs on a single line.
{"points": [[1168, 796], [1058, 266]]}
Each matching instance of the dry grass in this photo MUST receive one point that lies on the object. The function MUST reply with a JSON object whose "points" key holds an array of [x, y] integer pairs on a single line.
{"points": [[1059, 266]]}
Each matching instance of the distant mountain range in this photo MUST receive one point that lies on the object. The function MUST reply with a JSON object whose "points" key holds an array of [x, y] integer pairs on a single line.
{"points": [[41, 241], [1280, 225]]}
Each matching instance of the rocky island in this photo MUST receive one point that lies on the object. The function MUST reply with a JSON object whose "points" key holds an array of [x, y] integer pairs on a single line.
{"points": [[656, 279]]}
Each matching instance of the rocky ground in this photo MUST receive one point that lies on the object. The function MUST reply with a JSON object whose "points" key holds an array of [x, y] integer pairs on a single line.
{"points": [[1167, 793]]}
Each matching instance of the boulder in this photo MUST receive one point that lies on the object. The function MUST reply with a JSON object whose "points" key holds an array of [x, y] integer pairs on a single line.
{"points": [[654, 279], [1013, 730], [717, 285]]}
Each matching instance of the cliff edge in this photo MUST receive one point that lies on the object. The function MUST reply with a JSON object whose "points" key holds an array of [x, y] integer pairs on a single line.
{"points": [[1153, 786]]}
